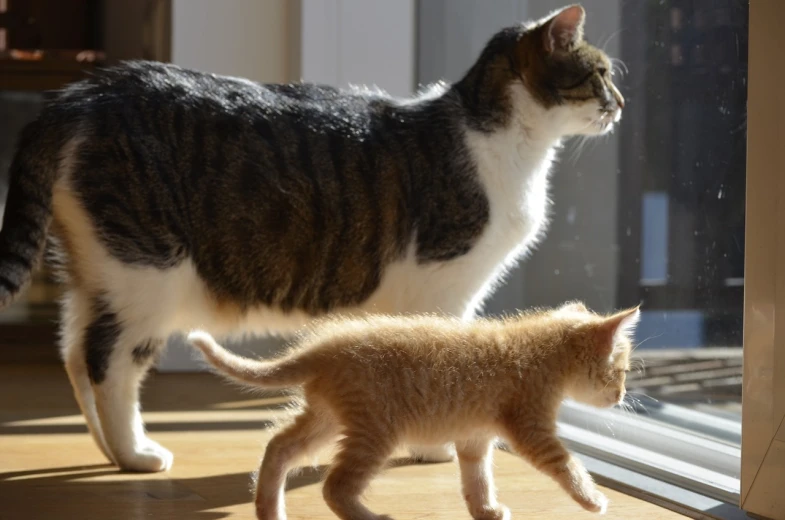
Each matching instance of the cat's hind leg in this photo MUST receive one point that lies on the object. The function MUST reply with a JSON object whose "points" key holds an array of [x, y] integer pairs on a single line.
{"points": [[309, 431], [476, 461], [76, 316], [361, 456], [118, 356]]}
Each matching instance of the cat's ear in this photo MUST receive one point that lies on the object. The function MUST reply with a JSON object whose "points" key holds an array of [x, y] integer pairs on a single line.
{"points": [[564, 30], [622, 323]]}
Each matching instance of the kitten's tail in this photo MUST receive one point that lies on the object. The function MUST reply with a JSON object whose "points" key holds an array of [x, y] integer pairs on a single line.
{"points": [[28, 210], [265, 374]]}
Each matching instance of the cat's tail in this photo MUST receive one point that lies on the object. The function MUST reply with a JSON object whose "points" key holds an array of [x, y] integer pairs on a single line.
{"points": [[28, 209], [265, 374]]}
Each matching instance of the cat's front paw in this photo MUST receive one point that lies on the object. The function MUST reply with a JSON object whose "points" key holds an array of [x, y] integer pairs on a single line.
{"points": [[500, 512], [268, 513], [595, 502], [151, 458]]}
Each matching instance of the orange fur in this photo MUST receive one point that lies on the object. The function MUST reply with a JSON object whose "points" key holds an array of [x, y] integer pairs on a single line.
{"points": [[383, 381]]}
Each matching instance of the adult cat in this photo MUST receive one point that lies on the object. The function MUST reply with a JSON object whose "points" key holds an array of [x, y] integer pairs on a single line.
{"points": [[179, 199]]}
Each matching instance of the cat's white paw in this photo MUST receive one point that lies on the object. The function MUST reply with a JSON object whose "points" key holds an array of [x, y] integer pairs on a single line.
{"points": [[268, 514], [596, 502], [444, 453], [152, 457], [269, 510], [500, 512]]}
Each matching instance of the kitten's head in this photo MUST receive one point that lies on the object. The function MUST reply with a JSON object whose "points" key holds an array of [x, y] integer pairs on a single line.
{"points": [[601, 346], [547, 62]]}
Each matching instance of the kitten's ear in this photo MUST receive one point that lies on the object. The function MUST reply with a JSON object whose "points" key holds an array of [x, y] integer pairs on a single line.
{"points": [[620, 324], [564, 29]]}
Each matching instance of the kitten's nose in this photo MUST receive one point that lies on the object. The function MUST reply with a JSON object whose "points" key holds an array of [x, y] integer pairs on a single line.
{"points": [[619, 396]]}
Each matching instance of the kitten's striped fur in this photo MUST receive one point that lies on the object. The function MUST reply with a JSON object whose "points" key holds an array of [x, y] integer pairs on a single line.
{"points": [[384, 381], [181, 199]]}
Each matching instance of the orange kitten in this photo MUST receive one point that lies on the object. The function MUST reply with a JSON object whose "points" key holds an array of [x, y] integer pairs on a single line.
{"points": [[384, 381]]}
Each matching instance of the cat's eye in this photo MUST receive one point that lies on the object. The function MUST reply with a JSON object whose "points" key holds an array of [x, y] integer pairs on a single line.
{"points": [[602, 71], [583, 80]]}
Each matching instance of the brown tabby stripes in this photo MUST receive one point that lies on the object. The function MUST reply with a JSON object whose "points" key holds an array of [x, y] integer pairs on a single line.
{"points": [[296, 196], [293, 196]]}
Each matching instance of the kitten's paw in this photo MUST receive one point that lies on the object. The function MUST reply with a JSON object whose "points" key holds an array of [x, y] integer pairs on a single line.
{"points": [[269, 514], [152, 457], [595, 502], [269, 510], [500, 512], [444, 453]]}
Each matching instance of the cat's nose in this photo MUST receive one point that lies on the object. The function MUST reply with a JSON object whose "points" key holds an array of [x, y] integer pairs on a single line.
{"points": [[619, 396], [617, 96]]}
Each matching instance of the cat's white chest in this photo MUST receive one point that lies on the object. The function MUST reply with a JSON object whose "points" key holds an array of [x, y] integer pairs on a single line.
{"points": [[515, 179], [514, 174]]}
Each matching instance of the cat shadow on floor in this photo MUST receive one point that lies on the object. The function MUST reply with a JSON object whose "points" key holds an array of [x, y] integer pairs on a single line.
{"points": [[93, 491], [79, 492], [311, 475], [152, 426]]}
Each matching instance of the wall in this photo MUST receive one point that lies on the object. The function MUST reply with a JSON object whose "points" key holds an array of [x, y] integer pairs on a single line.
{"points": [[248, 38], [360, 42]]}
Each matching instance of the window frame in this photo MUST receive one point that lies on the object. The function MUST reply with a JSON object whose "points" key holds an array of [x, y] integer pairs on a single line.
{"points": [[763, 399]]}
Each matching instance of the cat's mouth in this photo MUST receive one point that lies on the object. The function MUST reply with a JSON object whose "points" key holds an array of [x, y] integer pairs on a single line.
{"points": [[607, 119]]}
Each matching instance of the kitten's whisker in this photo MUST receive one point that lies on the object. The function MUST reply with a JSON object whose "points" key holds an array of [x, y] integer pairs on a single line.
{"points": [[638, 365], [644, 395], [645, 340]]}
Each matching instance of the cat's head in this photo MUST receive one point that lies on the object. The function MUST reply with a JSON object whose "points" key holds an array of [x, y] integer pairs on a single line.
{"points": [[546, 70], [601, 347]]}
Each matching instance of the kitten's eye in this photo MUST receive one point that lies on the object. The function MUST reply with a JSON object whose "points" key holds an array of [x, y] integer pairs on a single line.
{"points": [[603, 71]]}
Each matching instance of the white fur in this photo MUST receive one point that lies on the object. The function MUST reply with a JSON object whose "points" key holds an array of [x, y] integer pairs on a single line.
{"points": [[513, 166]]}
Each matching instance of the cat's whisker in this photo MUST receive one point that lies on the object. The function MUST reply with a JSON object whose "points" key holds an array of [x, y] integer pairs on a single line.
{"points": [[647, 396], [618, 66], [577, 148], [637, 405], [645, 340], [638, 365], [610, 38]]}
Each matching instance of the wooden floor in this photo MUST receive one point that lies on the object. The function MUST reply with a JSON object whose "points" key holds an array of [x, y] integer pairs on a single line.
{"points": [[49, 468]]}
